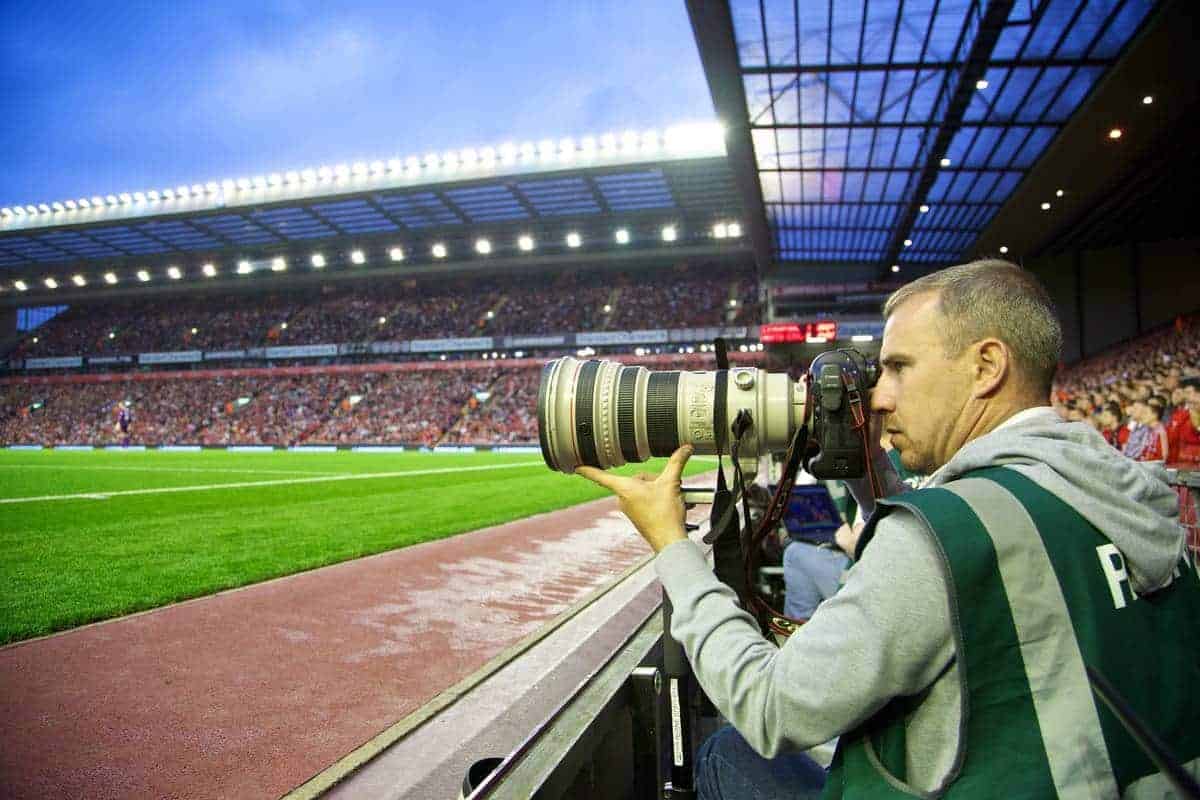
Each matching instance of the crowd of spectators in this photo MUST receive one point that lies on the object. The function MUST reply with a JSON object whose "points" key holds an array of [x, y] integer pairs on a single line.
{"points": [[1143, 396], [403, 309], [404, 407]]}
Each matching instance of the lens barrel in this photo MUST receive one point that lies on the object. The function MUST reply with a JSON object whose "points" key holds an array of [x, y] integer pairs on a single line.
{"points": [[603, 414]]}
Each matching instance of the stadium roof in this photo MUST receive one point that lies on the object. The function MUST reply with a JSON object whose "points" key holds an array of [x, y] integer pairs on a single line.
{"points": [[892, 133], [670, 192]]}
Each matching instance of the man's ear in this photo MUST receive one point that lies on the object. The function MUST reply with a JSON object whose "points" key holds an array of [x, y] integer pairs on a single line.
{"points": [[991, 367]]}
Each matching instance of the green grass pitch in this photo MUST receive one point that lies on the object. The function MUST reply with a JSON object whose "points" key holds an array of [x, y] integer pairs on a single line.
{"points": [[67, 562]]}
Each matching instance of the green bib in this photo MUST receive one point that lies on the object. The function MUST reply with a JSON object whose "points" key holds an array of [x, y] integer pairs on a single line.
{"points": [[1037, 594]]}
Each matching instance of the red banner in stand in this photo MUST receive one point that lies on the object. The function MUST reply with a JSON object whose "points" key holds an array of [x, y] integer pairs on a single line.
{"points": [[792, 332], [666, 360]]}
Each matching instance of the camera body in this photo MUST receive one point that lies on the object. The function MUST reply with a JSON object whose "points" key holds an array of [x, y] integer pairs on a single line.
{"points": [[603, 414]]}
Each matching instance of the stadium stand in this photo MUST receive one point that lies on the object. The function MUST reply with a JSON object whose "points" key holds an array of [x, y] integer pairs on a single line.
{"points": [[433, 307]]}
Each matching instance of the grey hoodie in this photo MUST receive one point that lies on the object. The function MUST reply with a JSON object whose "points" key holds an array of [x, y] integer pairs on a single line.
{"points": [[887, 632]]}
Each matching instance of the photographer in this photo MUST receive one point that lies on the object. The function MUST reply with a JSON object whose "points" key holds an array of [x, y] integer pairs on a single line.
{"points": [[954, 656]]}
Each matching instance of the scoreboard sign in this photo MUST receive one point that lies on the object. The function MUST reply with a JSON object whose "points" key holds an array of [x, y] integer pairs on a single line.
{"points": [[789, 332]]}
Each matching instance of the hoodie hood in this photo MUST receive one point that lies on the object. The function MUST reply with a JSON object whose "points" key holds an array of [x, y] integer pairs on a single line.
{"points": [[1129, 502]]}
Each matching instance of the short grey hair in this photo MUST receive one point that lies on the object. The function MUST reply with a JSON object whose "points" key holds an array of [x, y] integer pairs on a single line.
{"points": [[997, 299]]}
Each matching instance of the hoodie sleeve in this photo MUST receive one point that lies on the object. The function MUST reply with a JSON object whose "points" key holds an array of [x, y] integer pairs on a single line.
{"points": [[885, 633]]}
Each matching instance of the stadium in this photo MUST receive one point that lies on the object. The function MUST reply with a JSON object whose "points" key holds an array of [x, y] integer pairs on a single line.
{"points": [[274, 499]]}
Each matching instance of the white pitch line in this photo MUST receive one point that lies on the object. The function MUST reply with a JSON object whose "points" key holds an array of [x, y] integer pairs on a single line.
{"points": [[73, 468], [287, 482]]}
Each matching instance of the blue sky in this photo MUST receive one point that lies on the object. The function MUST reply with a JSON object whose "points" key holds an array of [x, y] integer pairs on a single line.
{"points": [[101, 97]]}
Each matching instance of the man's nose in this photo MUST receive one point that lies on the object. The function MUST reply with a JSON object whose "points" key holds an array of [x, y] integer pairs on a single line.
{"points": [[881, 400]]}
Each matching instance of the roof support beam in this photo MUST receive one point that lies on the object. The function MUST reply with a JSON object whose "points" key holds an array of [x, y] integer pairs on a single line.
{"points": [[891, 66], [712, 26], [974, 67]]}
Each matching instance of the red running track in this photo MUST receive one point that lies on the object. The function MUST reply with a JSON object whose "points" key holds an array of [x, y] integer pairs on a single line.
{"points": [[251, 692]]}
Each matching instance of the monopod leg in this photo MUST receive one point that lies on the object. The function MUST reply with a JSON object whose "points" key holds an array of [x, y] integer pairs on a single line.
{"points": [[676, 733]]}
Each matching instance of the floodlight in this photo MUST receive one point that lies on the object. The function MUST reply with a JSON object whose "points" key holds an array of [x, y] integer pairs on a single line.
{"points": [[669, 234], [318, 260], [383, 320], [112, 334], [70, 204], [733, 302], [528, 151], [412, 164], [111, 199], [908, 242], [6, 212], [396, 254], [981, 84], [1003, 249], [622, 236], [546, 150], [85, 203], [211, 187], [895, 267], [143, 276], [79, 280], [308, 175], [945, 162], [924, 209], [735, 230], [450, 160], [574, 239], [42, 207], [720, 230], [97, 200], [468, 156], [566, 148], [358, 257], [228, 186], [195, 331], [629, 141], [283, 326], [243, 184], [259, 181], [359, 168], [275, 179], [430, 161], [181, 192], [816, 340], [1115, 133], [649, 141], [1045, 206], [152, 196], [525, 242], [168, 193], [483, 247], [508, 152], [862, 337], [1058, 193], [438, 250], [342, 171], [110, 278], [607, 308], [491, 314], [31, 209], [395, 164], [378, 167], [139, 197], [588, 145], [278, 264], [173, 273], [57, 206], [244, 268], [1147, 100], [51, 283], [20, 285], [487, 155]]}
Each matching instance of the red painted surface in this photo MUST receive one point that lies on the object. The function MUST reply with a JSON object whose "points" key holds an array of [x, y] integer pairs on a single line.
{"points": [[250, 693]]}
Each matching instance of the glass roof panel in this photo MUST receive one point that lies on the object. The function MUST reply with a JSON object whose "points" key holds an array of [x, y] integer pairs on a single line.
{"points": [[747, 29], [1120, 29]]}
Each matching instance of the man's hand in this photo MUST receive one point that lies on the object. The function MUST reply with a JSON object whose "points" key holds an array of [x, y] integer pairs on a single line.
{"points": [[653, 503], [847, 537]]}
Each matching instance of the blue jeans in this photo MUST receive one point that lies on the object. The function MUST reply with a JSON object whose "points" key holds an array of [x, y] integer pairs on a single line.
{"points": [[811, 574], [727, 768]]}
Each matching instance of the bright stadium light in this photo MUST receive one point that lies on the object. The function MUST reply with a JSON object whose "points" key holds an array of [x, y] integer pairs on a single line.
{"points": [[395, 165], [1045, 206], [209, 270], [895, 267], [574, 239], [483, 247], [6, 212], [110, 278], [97, 201], [396, 254], [168, 193], [438, 250], [525, 242], [546, 150], [152, 196], [587, 146], [173, 273], [450, 160], [308, 175], [212, 187], [317, 260], [275, 179], [359, 168], [143, 276], [20, 285], [383, 320], [908, 242], [139, 197], [720, 230], [244, 268], [622, 235], [528, 151], [378, 167], [669, 233], [862, 337], [487, 156], [924, 209], [629, 141], [195, 331], [79, 280], [259, 181], [342, 171], [228, 186], [358, 257], [431, 161], [324, 173], [412, 164], [508, 152], [70, 204], [244, 184], [566, 149], [650, 142], [981, 84], [181, 192], [51, 283], [735, 230], [1003, 249], [278, 264], [608, 143], [42, 207]]}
